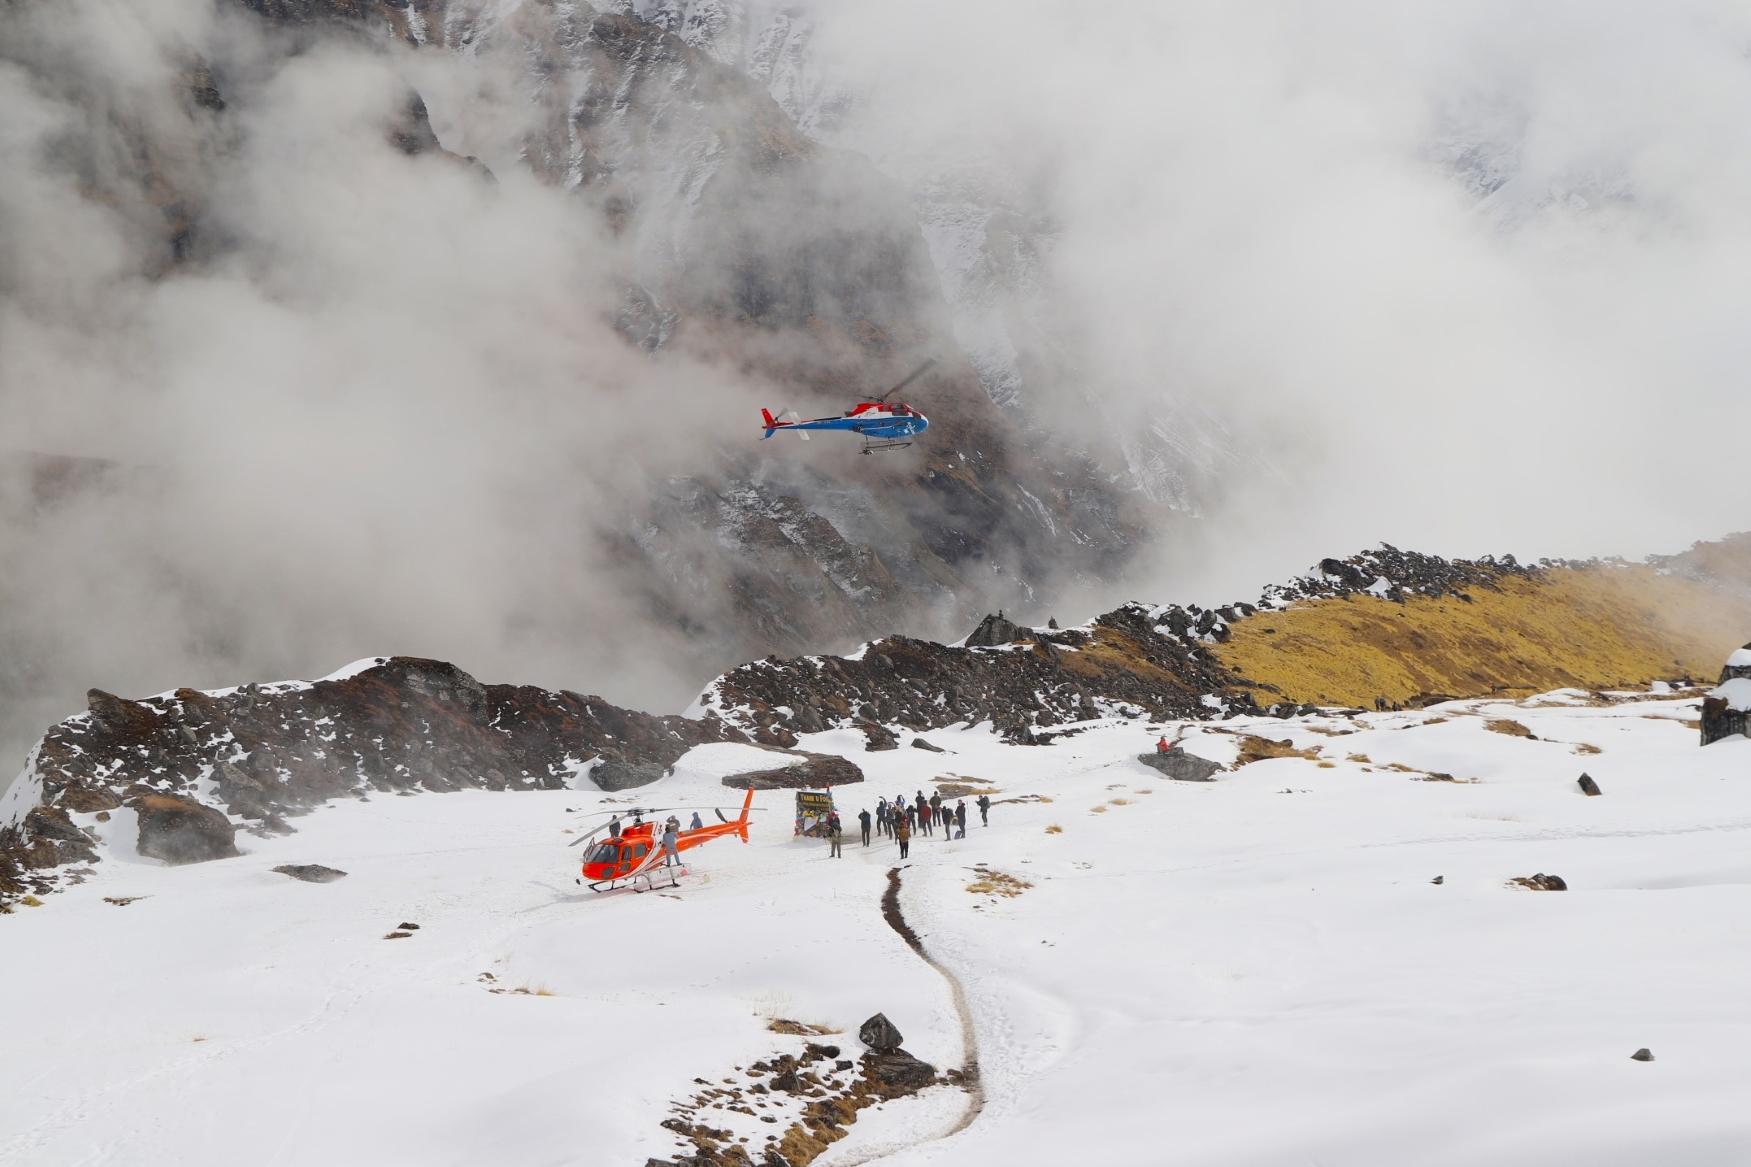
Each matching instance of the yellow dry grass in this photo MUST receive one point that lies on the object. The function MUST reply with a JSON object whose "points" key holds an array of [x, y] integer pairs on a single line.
{"points": [[1257, 749], [992, 882], [1589, 628]]}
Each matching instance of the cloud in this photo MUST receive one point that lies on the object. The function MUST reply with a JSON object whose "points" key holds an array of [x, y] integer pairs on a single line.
{"points": [[1459, 276], [386, 413]]}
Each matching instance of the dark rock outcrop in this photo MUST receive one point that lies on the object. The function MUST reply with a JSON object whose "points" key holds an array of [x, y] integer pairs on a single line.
{"points": [[1726, 710], [995, 630], [311, 872], [180, 830], [1542, 882], [880, 1034], [616, 774], [402, 723], [1395, 574], [1587, 785], [1181, 766], [1135, 660], [808, 772], [898, 1069]]}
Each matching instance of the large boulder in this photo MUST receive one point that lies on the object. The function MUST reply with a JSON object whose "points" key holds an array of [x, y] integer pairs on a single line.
{"points": [[899, 1070], [995, 630], [880, 1034], [1726, 710], [615, 774], [180, 830], [808, 772], [1181, 766]]}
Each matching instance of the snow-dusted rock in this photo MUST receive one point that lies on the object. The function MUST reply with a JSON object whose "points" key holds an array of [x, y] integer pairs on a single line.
{"points": [[1726, 709], [180, 830]]}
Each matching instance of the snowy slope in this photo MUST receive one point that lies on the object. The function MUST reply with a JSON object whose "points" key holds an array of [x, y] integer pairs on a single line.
{"points": [[1256, 970]]}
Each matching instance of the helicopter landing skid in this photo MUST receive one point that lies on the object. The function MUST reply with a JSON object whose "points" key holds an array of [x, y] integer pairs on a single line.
{"points": [[648, 878], [870, 447]]}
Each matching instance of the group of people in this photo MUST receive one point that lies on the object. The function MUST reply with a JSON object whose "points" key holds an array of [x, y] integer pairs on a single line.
{"points": [[902, 818]]}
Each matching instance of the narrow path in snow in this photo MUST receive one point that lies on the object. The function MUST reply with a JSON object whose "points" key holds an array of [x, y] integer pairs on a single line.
{"points": [[969, 1038]]}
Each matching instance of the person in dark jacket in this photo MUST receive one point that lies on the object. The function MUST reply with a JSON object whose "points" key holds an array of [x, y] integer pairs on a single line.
{"points": [[863, 817], [961, 819], [835, 835], [903, 836], [984, 805]]}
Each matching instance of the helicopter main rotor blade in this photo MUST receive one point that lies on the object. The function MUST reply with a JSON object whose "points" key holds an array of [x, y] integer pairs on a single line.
{"points": [[637, 810], [915, 374], [589, 836]]}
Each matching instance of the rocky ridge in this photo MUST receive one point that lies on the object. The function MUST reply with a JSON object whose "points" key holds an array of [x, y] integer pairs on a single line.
{"points": [[261, 753]]}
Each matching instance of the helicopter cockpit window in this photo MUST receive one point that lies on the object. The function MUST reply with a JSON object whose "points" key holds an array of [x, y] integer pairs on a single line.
{"points": [[605, 853], [640, 851]]}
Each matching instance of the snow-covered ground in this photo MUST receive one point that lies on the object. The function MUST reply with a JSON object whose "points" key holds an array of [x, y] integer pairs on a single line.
{"points": [[1256, 970]]}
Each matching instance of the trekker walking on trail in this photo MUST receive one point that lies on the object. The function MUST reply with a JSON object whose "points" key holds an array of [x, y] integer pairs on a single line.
{"points": [[984, 805], [835, 834], [671, 835], [961, 819], [863, 817], [903, 836]]}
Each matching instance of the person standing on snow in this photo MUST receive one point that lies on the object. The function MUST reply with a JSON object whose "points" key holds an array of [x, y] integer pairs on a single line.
{"points": [[903, 836], [984, 805], [834, 836], [925, 817], [961, 819], [863, 817], [698, 823], [671, 836]]}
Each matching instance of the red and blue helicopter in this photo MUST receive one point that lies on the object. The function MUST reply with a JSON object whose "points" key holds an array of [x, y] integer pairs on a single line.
{"points": [[883, 424]]}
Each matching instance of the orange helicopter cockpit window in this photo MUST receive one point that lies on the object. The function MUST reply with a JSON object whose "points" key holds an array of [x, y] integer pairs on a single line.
{"points": [[605, 853], [640, 851]]}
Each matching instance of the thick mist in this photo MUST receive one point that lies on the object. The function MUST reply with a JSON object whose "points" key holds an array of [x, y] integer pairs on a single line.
{"points": [[1464, 277], [390, 416]]}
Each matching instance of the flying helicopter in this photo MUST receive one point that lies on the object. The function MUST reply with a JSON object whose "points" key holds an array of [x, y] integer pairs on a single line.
{"points": [[636, 852], [883, 424]]}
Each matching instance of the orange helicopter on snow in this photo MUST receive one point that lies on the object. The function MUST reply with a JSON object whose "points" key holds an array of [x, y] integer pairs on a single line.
{"points": [[635, 852]]}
